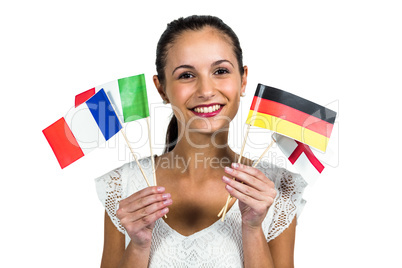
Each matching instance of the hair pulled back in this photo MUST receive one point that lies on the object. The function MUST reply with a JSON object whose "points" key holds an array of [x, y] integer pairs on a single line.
{"points": [[168, 37]]}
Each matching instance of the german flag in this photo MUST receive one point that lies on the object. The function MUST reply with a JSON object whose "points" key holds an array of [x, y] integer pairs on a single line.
{"points": [[292, 116]]}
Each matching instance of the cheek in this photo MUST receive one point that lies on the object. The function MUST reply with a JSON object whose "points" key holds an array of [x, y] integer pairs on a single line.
{"points": [[177, 95], [235, 107], [231, 89]]}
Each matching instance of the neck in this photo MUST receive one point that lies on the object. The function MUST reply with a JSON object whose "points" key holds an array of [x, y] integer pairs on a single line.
{"points": [[198, 154]]}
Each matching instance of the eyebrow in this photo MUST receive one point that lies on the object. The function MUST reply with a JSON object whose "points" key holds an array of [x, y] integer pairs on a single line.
{"points": [[192, 67], [221, 61], [183, 66]]}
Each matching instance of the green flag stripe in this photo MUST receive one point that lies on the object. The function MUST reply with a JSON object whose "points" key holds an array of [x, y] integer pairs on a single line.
{"points": [[133, 96]]}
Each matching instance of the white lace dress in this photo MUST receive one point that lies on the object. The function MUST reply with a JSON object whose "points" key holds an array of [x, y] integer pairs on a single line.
{"points": [[219, 245]]}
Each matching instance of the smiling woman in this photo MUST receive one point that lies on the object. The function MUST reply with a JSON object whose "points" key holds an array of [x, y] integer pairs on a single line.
{"points": [[201, 73], [204, 72]]}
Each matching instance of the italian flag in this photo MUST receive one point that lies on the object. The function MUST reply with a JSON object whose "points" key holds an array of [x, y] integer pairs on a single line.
{"points": [[128, 96]]}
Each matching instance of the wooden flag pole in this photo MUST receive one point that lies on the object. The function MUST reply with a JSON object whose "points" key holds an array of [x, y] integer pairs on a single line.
{"points": [[132, 152], [254, 165], [238, 161], [135, 157], [152, 155], [129, 146], [150, 149], [265, 151], [244, 143]]}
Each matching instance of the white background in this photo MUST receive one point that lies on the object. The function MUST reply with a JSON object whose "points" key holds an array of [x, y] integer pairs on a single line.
{"points": [[343, 54]]}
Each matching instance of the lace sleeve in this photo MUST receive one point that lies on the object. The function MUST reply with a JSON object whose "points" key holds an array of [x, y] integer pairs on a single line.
{"points": [[288, 202], [110, 192]]}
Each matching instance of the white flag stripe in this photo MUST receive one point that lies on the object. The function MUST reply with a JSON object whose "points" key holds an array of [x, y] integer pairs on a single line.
{"points": [[112, 91], [306, 169], [287, 145], [84, 127]]}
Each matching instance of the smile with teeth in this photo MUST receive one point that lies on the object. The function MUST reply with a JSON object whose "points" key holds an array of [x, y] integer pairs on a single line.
{"points": [[210, 109]]}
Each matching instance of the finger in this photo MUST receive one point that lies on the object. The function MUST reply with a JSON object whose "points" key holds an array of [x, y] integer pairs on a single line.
{"points": [[143, 202], [132, 199], [142, 193], [267, 185], [151, 218], [255, 172], [252, 171], [245, 189], [259, 206], [141, 223], [143, 212], [247, 178]]}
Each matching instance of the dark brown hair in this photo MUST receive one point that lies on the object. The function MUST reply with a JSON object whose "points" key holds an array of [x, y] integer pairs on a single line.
{"points": [[173, 30]]}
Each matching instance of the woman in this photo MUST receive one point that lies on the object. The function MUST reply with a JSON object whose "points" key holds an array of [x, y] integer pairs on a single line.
{"points": [[200, 72]]}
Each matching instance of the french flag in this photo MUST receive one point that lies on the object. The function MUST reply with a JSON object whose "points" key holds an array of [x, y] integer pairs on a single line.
{"points": [[83, 129]]}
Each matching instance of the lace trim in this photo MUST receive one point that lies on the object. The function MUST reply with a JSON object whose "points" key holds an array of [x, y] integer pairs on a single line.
{"points": [[288, 203], [111, 185]]}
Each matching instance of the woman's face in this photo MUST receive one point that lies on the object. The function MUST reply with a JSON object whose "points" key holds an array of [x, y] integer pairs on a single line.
{"points": [[203, 82]]}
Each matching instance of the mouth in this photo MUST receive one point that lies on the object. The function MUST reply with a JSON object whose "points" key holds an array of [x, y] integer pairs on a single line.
{"points": [[207, 110]]}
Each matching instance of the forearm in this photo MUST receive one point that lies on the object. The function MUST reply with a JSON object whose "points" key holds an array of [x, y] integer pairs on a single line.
{"points": [[255, 248], [135, 255]]}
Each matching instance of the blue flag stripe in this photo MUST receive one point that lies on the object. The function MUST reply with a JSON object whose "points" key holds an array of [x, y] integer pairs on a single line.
{"points": [[104, 114]]}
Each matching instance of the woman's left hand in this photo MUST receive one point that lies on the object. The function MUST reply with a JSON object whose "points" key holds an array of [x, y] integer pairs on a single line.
{"points": [[253, 189]]}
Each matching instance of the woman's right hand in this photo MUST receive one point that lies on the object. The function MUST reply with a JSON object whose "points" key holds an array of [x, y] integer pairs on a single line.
{"points": [[139, 212]]}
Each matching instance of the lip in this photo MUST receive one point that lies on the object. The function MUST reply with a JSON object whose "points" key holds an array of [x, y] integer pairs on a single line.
{"points": [[207, 114]]}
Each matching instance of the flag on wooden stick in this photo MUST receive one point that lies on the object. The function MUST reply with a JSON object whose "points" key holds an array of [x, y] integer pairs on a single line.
{"points": [[83, 129], [301, 157], [292, 116], [128, 96]]}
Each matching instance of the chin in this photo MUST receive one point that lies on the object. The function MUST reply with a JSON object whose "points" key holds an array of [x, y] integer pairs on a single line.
{"points": [[209, 126]]}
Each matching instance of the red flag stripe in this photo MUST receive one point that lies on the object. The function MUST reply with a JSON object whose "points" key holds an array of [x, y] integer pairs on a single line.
{"points": [[292, 115], [303, 148], [63, 143], [84, 96]]}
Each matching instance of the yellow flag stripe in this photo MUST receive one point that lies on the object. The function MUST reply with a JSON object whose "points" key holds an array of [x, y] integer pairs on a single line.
{"points": [[289, 129]]}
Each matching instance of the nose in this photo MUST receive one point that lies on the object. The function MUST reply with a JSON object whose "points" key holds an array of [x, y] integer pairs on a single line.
{"points": [[205, 88]]}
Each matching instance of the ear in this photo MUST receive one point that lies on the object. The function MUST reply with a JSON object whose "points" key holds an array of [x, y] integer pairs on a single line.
{"points": [[160, 88], [244, 80]]}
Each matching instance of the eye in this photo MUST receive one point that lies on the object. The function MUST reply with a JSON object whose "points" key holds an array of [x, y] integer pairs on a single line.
{"points": [[221, 71], [186, 75]]}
